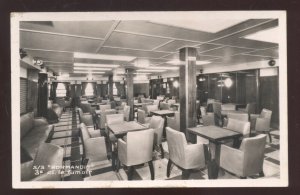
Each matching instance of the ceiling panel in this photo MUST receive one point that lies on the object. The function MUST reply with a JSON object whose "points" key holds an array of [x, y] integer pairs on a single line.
{"points": [[128, 52], [207, 46], [51, 56], [125, 40], [163, 30], [175, 45], [241, 42], [226, 51], [273, 52], [82, 28], [239, 59], [55, 42]]}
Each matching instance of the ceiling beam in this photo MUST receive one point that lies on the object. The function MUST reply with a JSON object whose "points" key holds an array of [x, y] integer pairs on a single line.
{"points": [[112, 28], [60, 34]]}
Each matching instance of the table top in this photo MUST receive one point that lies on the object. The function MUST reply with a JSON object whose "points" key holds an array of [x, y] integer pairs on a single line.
{"points": [[214, 133], [163, 112], [99, 111], [125, 127]]}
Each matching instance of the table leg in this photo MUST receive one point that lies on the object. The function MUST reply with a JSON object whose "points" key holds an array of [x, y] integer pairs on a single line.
{"points": [[213, 163]]}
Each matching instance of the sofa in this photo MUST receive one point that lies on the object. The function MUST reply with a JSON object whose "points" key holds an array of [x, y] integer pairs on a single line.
{"points": [[34, 132]]}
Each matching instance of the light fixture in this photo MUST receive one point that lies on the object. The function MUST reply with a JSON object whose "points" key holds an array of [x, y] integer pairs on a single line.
{"points": [[103, 57], [142, 63], [171, 79], [228, 82], [178, 62], [164, 68], [97, 65], [88, 72], [175, 84], [85, 68]]}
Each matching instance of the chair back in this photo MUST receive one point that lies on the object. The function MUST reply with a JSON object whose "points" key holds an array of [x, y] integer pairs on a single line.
{"points": [[208, 119], [151, 108], [242, 127], [176, 142], [139, 146], [103, 115], [114, 118], [210, 101], [227, 107], [84, 132], [250, 108], [170, 102], [164, 106], [104, 107], [254, 150], [86, 108], [157, 123], [265, 113], [202, 110], [156, 102], [238, 116], [141, 115], [217, 107]]}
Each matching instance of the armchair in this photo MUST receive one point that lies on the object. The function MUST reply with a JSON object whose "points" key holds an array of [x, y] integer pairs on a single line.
{"points": [[174, 122], [150, 108], [185, 156], [94, 148], [164, 106], [250, 108], [85, 118], [104, 107], [102, 119], [261, 123], [217, 112], [126, 112], [141, 117], [208, 118], [49, 157], [157, 123], [238, 116], [247, 160], [129, 155]]}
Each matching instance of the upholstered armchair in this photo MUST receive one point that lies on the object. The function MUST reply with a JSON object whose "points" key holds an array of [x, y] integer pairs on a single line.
{"points": [[144, 107], [156, 102], [85, 118], [87, 108], [261, 122], [49, 157], [164, 106], [208, 118], [217, 106], [94, 148], [91, 131], [238, 116], [126, 112], [136, 150], [104, 107], [102, 119], [174, 122], [157, 123], [185, 156], [247, 160], [151, 108], [141, 117], [250, 108]]}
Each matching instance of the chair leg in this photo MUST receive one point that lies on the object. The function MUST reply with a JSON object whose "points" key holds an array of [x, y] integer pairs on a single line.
{"points": [[185, 174], [261, 174], [130, 173], [169, 168], [151, 169], [162, 151], [270, 137]]}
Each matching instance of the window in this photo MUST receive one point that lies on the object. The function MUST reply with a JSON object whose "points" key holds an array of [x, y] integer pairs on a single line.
{"points": [[61, 90], [89, 90], [115, 90]]}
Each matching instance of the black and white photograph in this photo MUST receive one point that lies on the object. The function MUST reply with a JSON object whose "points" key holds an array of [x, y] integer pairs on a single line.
{"points": [[149, 99]]}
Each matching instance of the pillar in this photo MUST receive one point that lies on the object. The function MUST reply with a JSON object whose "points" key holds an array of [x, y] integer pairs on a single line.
{"points": [[42, 95], [110, 87], [130, 97], [187, 88]]}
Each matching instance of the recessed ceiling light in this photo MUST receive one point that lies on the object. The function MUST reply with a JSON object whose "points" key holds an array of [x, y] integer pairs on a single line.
{"points": [[103, 57], [150, 70], [97, 65], [163, 68], [86, 69]]}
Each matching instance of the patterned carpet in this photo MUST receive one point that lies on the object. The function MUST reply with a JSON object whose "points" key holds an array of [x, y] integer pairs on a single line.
{"points": [[67, 135]]}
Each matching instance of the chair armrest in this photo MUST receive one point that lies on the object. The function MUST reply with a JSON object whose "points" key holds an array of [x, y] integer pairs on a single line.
{"points": [[122, 151], [40, 121], [232, 159], [94, 133], [194, 156], [262, 124], [147, 125]]}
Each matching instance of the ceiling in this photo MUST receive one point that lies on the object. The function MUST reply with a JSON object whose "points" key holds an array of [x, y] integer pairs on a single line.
{"points": [[149, 43]]}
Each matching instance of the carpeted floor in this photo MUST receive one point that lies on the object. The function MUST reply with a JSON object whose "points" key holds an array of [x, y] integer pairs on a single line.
{"points": [[66, 134]]}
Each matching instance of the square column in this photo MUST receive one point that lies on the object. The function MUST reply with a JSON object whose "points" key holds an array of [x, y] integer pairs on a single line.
{"points": [[130, 98], [187, 88]]}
